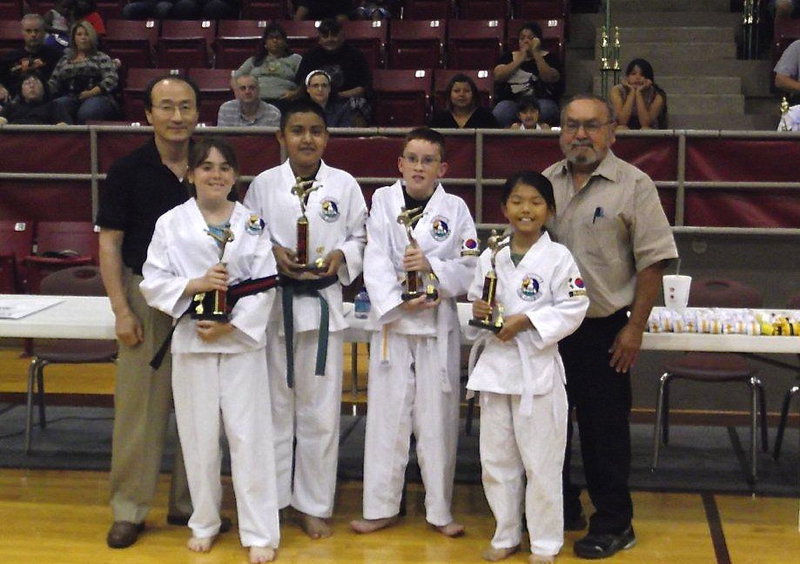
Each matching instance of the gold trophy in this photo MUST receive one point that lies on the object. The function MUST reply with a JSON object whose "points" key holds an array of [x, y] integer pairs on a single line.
{"points": [[302, 189], [785, 115], [213, 305], [494, 320], [413, 280]]}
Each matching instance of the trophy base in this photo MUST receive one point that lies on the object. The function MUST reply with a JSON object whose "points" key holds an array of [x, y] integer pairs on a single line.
{"points": [[313, 268], [488, 325], [408, 296], [221, 317], [432, 295]]}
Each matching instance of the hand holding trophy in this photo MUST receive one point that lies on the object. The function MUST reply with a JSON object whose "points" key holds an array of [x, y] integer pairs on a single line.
{"points": [[413, 279], [213, 304], [493, 321], [301, 189]]}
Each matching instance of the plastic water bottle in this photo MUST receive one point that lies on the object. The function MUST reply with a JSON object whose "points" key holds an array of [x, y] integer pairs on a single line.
{"points": [[361, 304]]}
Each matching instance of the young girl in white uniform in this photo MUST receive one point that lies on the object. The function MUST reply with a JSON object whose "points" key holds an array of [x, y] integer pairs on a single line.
{"points": [[520, 375], [219, 369], [414, 354], [306, 403]]}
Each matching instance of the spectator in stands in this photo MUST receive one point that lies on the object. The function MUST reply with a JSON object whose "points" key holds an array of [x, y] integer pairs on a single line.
{"points": [[247, 109], [530, 70], [463, 110], [787, 73], [374, 10], [528, 115], [87, 10], [638, 101], [349, 71], [84, 79], [318, 89], [34, 55], [33, 106], [273, 66], [321, 9], [57, 22]]}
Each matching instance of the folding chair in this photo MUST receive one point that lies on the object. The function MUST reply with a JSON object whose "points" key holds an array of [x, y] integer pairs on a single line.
{"points": [[59, 245]]}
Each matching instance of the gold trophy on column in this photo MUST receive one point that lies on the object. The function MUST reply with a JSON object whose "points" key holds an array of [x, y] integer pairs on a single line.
{"points": [[494, 320], [413, 279], [213, 305], [301, 189]]}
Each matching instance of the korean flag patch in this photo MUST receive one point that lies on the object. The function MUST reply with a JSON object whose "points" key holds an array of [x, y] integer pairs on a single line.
{"points": [[576, 287], [469, 248]]}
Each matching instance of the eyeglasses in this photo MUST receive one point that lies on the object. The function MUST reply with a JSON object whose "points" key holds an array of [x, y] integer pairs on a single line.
{"points": [[427, 162], [170, 108], [590, 127]]}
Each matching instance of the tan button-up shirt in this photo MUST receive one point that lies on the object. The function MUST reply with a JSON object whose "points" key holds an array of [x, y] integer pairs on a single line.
{"points": [[614, 227]]}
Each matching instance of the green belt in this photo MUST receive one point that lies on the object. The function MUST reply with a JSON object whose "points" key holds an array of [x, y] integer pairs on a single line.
{"points": [[291, 288]]}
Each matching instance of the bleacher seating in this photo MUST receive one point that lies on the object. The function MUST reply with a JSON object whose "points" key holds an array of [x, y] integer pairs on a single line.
{"points": [[370, 37], [10, 10], [185, 43], [10, 35], [474, 44], [539, 9], [417, 44], [553, 38], [16, 243], [484, 9], [236, 41], [427, 9], [300, 36], [131, 41], [403, 96], [215, 88], [265, 9]]}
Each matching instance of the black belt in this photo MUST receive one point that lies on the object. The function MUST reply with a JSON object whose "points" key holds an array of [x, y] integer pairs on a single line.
{"points": [[235, 293]]}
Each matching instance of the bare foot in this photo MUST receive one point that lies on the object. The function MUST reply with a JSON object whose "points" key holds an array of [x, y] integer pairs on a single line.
{"points": [[371, 525], [493, 554], [452, 529], [196, 544], [260, 554], [541, 559], [315, 527]]}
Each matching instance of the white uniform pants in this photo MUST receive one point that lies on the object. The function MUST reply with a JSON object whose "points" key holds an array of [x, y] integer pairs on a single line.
{"points": [[233, 386], [309, 413], [405, 397], [515, 449]]}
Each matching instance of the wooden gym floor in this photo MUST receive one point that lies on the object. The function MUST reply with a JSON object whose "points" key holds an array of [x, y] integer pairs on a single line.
{"points": [[62, 516]]}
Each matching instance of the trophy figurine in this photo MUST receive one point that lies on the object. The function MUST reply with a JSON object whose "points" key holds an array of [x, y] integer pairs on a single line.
{"points": [[213, 304], [494, 320], [412, 282], [302, 189]]}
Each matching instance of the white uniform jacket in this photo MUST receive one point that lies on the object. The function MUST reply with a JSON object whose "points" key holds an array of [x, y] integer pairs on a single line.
{"points": [[547, 287], [446, 233], [336, 214], [181, 250]]}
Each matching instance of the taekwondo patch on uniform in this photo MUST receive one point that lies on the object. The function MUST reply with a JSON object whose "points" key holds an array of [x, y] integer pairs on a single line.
{"points": [[576, 287], [529, 289], [469, 248], [440, 228], [255, 225], [329, 210]]}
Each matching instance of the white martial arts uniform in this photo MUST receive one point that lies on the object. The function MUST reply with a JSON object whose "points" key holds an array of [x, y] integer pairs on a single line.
{"points": [[523, 399], [414, 357], [310, 411], [226, 377]]}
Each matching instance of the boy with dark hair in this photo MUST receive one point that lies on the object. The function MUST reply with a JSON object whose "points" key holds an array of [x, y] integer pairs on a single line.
{"points": [[306, 325]]}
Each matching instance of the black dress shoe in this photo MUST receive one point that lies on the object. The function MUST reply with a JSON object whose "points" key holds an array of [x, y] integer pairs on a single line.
{"points": [[578, 523], [225, 524], [123, 534], [594, 546]]}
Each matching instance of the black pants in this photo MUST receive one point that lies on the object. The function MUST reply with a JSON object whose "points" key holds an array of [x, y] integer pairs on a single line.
{"points": [[601, 399]]}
